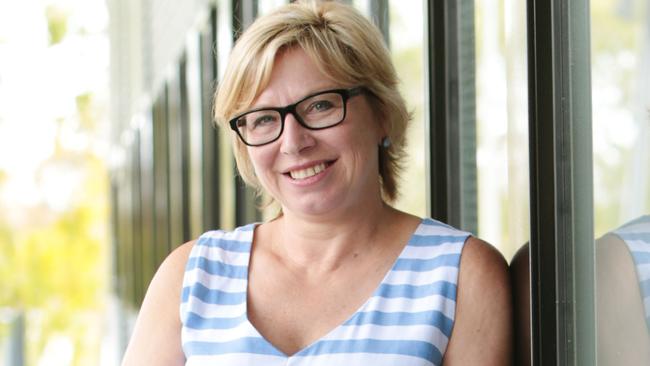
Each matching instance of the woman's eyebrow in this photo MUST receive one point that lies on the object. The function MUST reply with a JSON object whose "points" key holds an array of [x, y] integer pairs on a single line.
{"points": [[255, 106]]}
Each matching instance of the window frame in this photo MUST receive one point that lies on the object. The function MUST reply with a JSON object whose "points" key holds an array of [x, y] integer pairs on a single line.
{"points": [[452, 193], [561, 183]]}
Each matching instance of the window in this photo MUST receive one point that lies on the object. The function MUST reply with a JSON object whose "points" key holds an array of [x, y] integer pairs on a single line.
{"points": [[530, 129], [620, 60]]}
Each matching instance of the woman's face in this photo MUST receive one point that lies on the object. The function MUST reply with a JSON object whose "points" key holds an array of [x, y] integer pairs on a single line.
{"points": [[317, 172]]}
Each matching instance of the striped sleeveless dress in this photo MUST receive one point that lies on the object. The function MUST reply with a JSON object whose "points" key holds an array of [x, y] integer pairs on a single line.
{"points": [[407, 321], [636, 235]]}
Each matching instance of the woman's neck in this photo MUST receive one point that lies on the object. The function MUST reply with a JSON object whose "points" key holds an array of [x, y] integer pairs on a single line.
{"points": [[324, 243]]}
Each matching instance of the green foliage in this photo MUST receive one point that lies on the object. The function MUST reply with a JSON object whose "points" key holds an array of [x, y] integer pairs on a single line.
{"points": [[86, 111], [8, 289], [54, 260], [57, 23], [58, 272], [59, 265]]}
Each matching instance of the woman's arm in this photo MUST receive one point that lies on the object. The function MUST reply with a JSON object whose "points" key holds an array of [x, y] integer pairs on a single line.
{"points": [[482, 333], [622, 335], [156, 338]]}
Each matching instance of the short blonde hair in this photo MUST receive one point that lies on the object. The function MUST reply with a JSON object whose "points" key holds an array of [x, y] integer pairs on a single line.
{"points": [[345, 47]]}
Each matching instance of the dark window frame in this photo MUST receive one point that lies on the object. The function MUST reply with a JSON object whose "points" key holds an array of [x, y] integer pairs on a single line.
{"points": [[244, 13], [184, 115], [174, 162], [211, 170], [135, 177], [561, 184], [452, 188], [147, 200], [162, 243]]}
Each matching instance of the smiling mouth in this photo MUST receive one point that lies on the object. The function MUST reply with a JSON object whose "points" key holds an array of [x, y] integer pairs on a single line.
{"points": [[308, 172]]}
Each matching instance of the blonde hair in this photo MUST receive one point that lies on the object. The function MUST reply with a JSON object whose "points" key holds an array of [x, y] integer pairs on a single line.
{"points": [[344, 45]]}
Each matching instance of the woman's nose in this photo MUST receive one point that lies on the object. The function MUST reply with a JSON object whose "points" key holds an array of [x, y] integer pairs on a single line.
{"points": [[295, 138]]}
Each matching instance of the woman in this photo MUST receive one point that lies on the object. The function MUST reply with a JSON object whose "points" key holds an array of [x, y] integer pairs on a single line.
{"points": [[623, 294], [339, 277]]}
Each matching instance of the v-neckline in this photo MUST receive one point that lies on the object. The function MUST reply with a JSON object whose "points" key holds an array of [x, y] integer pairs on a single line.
{"points": [[326, 335]]}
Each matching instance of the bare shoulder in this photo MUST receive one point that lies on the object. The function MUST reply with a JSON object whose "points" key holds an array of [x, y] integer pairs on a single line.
{"points": [[156, 338], [482, 332], [177, 258], [168, 280], [622, 335], [484, 267]]}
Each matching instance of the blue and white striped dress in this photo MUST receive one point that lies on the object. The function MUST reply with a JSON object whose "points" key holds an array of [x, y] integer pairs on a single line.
{"points": [[636, 235], [407, 321]]}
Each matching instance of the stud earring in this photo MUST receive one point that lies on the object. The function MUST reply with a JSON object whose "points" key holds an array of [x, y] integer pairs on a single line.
{"points": [[385, 142]]}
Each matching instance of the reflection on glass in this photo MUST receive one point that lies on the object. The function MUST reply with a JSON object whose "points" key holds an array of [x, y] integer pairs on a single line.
{"points": [[623, 294], [621, 121], [621, 131]]}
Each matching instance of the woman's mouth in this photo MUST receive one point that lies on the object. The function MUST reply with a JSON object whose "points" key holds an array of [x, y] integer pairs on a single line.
{"points": [[311, 171]]}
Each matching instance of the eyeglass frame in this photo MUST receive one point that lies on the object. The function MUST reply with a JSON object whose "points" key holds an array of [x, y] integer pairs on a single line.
{"points": [[345, 94]]}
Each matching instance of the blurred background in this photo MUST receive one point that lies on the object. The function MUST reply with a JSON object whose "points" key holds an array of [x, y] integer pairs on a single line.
{"points": [[85, 86], [54, 240]]}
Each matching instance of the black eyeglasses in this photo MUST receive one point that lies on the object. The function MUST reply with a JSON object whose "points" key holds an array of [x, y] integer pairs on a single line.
{"points": [[317, 111]]}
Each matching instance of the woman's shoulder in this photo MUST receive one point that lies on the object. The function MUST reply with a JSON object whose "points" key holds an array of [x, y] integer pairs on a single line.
{"points": [[176, 260], [168, 280], [221, 244], [219, 236], [476, 252], [156, 334], [433, 231], [483, 261], [172, 270], [441, 233], [482, 331], [484, 308]]}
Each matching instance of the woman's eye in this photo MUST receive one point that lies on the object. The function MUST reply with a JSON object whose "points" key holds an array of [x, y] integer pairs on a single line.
{"points": [[264, 121], [320, 106], [241, 123]]}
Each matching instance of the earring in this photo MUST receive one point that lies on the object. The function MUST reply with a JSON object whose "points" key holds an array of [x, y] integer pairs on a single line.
{"points": [[385, 142]]}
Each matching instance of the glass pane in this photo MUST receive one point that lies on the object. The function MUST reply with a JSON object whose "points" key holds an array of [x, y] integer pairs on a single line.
{"points": [[621, 132], [406, 40], [407, 53], [194, 68], [266, 6], [502, 124]]}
